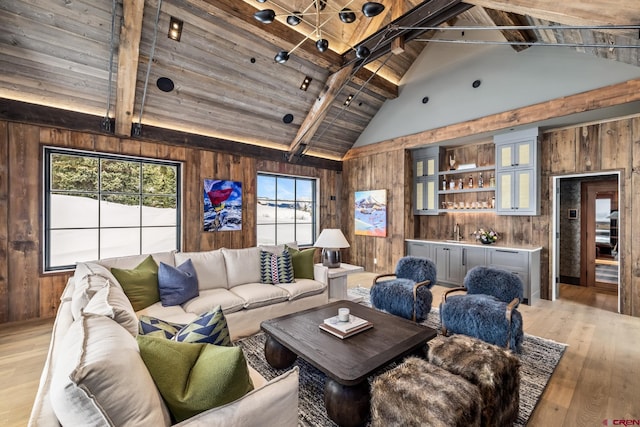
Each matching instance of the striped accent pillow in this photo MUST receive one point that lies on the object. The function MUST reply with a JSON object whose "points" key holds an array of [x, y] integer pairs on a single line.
{"points": [[276, 268]]}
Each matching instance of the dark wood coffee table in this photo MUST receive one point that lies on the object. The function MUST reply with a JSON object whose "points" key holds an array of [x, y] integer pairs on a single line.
{"points": [[347, 363]]}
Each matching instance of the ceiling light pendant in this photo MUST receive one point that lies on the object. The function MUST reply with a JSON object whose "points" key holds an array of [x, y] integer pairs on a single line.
{"points": [[282, 57], [294, 19], [372, 8], [362, 52], [322, 45], [346, 15]]}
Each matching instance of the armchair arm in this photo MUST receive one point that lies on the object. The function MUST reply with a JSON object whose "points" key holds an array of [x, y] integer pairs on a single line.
{"points": [[380, 276], [415, 295], [510, 307], [458, 289]]}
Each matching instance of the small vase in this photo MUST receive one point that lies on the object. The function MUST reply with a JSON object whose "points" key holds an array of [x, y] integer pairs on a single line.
{"points": [[486, 241]]}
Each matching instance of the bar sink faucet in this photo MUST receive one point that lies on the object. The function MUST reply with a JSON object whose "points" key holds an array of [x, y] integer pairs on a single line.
{"points": [[456, 233]]}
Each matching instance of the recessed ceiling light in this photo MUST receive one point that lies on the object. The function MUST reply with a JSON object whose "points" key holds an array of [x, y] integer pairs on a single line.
{"points": [[425, 99], [348, 100], [305, 83], [476, 83], [175, 29], [288, 118]]}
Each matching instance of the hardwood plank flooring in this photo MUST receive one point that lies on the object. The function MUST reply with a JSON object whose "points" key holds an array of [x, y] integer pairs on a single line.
{"points": [[598, 377]]}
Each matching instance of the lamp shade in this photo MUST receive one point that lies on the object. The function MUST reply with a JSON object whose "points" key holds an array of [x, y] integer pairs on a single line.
{"points": [[331, 238]]}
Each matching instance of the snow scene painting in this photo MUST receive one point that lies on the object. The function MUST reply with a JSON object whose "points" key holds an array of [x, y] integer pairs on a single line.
{"points": [[222, 205], [371, 213]]}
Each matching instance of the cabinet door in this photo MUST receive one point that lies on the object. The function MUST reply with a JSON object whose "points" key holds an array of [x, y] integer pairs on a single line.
{"points": [[448, 260], [516, 193], [425, 169], [524, 191], [504, 192], [472, 257], [419, 249], [523, 152]]}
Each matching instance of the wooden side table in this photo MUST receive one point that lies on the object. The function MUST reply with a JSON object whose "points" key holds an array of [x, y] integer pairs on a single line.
{"points": [[338, 280]]}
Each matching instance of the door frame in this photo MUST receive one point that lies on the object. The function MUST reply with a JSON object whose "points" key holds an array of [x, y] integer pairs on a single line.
{"points": [[554, 232]]}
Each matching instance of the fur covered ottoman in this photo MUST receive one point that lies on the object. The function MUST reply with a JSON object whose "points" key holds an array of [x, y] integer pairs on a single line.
{"points": [[417, 393], [494, 370]]}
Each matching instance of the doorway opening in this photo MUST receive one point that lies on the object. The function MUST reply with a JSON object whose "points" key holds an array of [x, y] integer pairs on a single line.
{"points": [[586, 246]]}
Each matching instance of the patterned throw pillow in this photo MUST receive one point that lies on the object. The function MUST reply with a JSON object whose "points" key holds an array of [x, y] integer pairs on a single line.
{"points": [[210, 327], [140, 284], [158, 328], [276, 269], [177, 285]]}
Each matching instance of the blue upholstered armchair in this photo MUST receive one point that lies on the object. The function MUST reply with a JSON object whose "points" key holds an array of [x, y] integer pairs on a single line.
{"points": [[406, 292], [488, 310]]}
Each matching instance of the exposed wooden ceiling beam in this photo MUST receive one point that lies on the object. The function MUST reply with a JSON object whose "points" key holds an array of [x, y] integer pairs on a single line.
{"points": [[500, 18], [593, 12], [427, 14], [22, 112], [318, 112], [333, 85], [397, 10], [128, 54], [609, 96]]}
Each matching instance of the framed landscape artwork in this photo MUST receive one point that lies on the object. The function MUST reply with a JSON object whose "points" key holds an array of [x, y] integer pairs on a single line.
{"points": [[222, 205], [371, 213]]}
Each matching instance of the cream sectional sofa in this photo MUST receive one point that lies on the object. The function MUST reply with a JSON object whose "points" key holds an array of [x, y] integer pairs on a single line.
{"points": [[95, 312]]}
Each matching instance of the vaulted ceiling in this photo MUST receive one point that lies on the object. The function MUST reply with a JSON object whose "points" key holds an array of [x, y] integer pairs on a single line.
{"points": [[226, 84]]}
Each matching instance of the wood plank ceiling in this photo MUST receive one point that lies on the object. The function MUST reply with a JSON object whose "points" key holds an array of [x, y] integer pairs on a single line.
{"points": [[226, 82]]}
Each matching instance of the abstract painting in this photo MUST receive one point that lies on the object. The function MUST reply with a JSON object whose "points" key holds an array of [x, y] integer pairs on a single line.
{"points": [[371, 213], [222, 205]]}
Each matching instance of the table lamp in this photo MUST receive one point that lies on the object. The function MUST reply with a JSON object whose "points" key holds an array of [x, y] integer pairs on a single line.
{"points": [[331, 240]]}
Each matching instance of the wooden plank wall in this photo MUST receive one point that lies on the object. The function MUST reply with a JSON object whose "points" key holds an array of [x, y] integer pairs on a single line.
{"points": [[389, 171], [27, 293], [610, 146]]}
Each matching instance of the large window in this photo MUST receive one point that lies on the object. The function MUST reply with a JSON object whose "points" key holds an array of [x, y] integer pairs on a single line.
{"points": [[101, 206], [286, 209]]}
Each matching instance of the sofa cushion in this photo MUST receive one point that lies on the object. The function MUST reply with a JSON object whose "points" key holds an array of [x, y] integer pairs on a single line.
{"points": [[243, 265], [258, 294], [130, 261], [195, 377], [302, 262], [140, 283], [302, 288], [210, 327], [173, 314], [277, 249], [154, 327], [275, 268], [177, 284], [209, 265], [229, 301], [102, 380], [88, 279], [111, 301]]}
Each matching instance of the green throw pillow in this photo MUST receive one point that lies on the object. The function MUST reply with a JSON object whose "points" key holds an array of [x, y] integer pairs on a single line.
{"points": [[140, 284], [302, 262], [193, 378]]}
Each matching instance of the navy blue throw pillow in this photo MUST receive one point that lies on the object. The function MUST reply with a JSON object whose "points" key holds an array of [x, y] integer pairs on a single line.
{"points": [[177, 284]]}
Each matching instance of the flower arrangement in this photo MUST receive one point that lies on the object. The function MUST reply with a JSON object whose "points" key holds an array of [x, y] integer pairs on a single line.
{"points": [[486, 236]]}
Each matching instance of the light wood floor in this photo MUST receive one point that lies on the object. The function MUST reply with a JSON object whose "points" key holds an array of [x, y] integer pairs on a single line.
{"points": [[598, 377]]}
